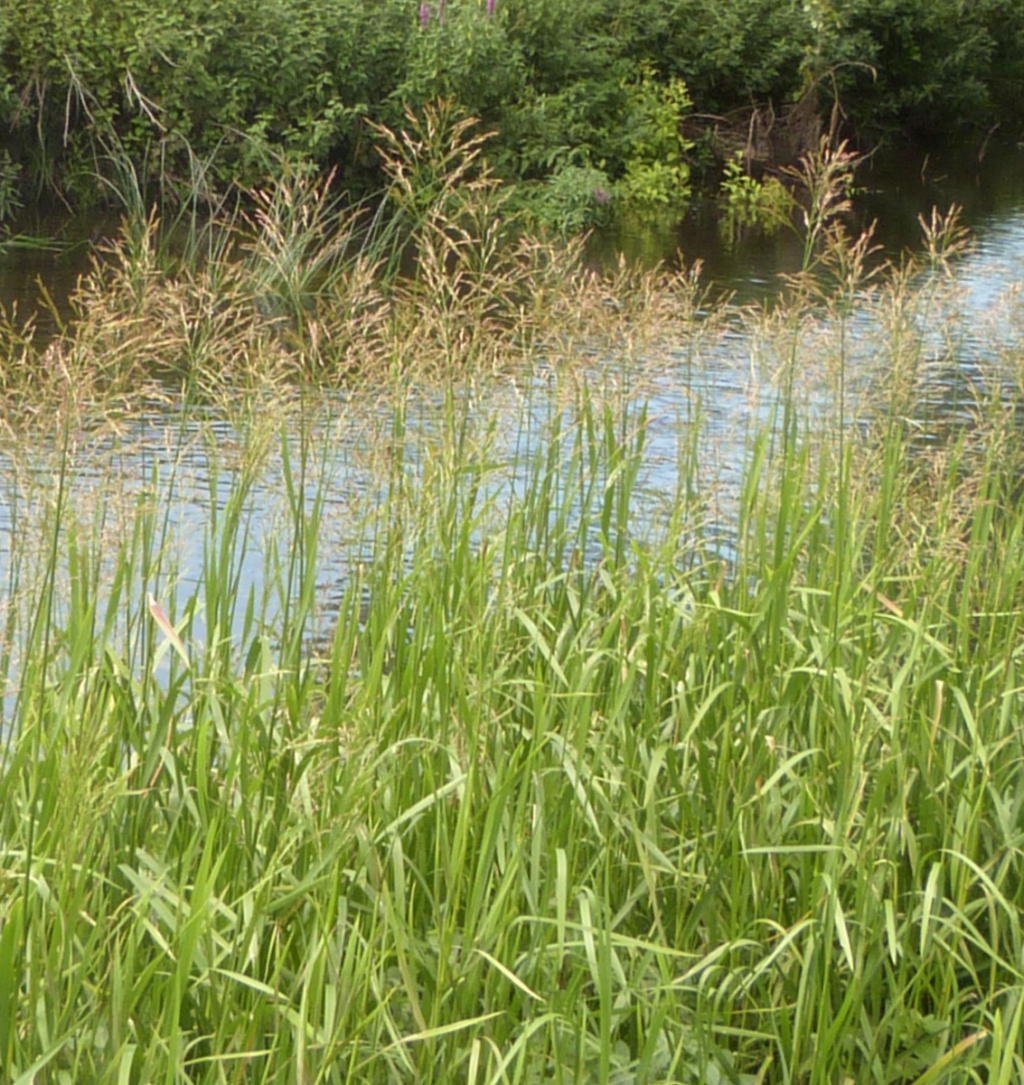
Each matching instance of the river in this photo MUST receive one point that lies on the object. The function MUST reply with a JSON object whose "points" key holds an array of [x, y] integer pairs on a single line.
{"points": [[180, 463]]}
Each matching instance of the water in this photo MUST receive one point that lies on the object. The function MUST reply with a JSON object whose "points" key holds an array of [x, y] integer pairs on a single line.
{"points": [[891, 193], [185, 464], [975, 317]]}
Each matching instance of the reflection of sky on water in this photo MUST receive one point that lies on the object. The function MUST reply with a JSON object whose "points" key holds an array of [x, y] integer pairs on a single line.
{"points": [[702, 409]]}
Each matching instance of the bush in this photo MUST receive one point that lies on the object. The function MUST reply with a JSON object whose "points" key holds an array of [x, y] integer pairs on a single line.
{"points": [[238, 84], [164, 81], [462, 53], [574, 199], [923, 68]]}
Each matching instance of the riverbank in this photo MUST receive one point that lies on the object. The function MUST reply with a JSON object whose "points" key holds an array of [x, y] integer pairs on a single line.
{"points": [[550, 773], [594, 104]]}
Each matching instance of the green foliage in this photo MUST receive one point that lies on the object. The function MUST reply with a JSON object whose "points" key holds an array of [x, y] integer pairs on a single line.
{"points": [[464, 55], [765, 205], [578, 126], [921, 67], [572, 200], [167, 82], [565, 42], [656, 172], [240, 84], [9, 186], [731, 53]]}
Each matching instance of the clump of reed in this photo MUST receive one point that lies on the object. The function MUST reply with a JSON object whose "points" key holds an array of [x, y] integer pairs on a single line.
{"points": [[289, 284], [563, 790]]}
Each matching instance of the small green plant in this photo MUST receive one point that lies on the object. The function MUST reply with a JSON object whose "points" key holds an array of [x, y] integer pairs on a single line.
{"points": [[10, 176], [747, 202]]}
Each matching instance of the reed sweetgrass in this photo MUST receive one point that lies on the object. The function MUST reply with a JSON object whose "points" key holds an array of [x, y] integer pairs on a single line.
{"points": [[559, 803], [291, 284], [562, 790]]}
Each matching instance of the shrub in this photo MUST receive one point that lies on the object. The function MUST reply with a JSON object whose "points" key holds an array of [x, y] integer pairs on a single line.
{"points": [[573, 199], [462, 53], [656, 171], [924, 67], [240, 84]]}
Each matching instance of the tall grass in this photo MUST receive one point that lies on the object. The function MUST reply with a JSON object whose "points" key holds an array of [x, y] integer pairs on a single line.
{"points": [[566, 792]]}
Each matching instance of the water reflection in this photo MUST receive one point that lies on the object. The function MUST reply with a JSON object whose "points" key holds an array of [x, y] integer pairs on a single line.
{"points": [[892, 191], [704, 403]]}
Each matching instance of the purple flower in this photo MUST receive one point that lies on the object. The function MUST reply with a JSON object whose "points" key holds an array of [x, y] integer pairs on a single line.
{"points": [[424, 15], [491, 5], [602, 197]]}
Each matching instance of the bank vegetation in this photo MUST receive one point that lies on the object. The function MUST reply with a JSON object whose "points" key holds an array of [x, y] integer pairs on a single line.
{"points": [[509, 763]]}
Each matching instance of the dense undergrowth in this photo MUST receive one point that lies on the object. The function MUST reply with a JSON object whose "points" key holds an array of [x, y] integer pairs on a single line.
{"points": [[564, 777], [589, 96]]}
